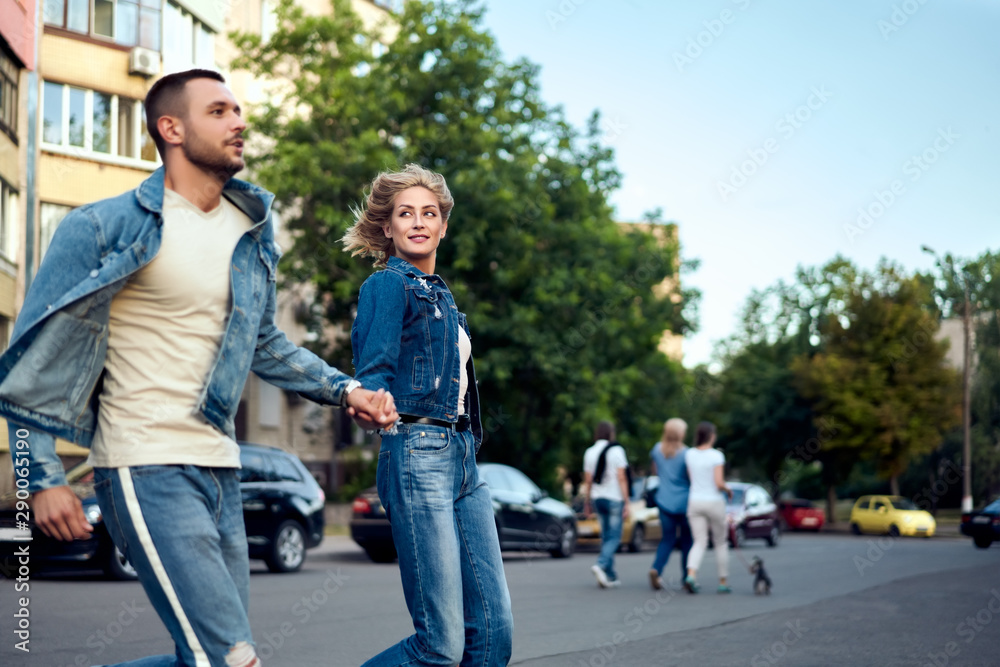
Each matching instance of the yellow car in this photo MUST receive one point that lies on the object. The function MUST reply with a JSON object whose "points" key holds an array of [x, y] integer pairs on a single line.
{"points": [[894, 515], [642, 524]]}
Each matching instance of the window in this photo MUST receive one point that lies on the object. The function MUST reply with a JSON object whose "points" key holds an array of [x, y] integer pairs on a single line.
{"points": [[8, 220], [51, 215], [268, 19], [95, 123], [285, 470], [9, 72], [125, 22], [188, 42]]}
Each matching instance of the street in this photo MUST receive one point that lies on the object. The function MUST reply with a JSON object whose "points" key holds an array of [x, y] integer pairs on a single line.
{"points": [[837, 600]]}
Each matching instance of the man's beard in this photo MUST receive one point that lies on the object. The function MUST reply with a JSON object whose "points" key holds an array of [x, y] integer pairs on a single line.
{"points": [[207, 157]]}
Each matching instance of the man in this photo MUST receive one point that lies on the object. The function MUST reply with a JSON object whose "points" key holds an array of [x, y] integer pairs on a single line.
{"points": [[135, 339], [605, 486]]}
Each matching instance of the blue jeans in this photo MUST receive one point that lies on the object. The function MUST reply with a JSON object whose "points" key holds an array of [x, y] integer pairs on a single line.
{"points": [[671, 524], [181, 527], [610, 514], [449, 553]]}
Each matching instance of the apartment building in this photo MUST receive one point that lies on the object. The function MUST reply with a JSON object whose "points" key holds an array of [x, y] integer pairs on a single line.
{"points": [[73, 74]]}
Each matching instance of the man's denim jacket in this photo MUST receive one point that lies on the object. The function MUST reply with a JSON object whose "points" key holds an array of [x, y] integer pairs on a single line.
{"points": [[405, 340], [50, 376]]}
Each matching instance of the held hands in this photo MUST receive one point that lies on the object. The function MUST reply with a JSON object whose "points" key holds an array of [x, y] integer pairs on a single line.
{"points": [[59, 514], [371, 409]]}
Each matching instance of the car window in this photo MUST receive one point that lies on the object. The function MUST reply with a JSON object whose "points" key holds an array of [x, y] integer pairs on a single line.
{"points": [[495, 478], [737, 497], [878, 504], [255, 468], [903, 504], [284, 470], [756, 496], [993, 507], [519, 483]]}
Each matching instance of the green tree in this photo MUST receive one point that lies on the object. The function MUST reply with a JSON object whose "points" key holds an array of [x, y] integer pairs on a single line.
{"points": [[560, 299], [881, 377]]}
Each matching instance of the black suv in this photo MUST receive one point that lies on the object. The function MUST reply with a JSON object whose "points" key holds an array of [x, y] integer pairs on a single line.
{"points": [[282, 509]]}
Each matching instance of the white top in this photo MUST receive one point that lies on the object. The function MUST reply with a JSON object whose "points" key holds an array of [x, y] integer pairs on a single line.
{"points": [[701, 465], [614, 461], [464, 353], [164, 333]]}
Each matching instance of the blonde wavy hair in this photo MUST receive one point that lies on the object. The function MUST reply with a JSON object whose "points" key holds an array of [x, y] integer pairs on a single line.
{"points": [[674, 431], [366, 236]]}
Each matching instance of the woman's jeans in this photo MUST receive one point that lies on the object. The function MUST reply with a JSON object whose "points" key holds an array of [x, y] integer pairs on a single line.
{"points": [[670, 525], [449, 554], [181, 527], [610, 514]]}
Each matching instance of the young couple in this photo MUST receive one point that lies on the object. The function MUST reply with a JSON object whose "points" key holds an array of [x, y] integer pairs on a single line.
{"points": [[136, 338]]}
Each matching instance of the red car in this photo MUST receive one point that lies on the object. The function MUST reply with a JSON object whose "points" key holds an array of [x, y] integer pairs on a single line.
{"points": [[799, 514]]}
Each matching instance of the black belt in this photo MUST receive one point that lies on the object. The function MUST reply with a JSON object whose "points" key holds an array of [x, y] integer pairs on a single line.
{"points": [[463, 423]]}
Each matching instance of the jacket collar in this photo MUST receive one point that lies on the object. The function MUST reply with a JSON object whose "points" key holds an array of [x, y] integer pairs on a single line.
{"points": [[251, 199], [402, 266]]}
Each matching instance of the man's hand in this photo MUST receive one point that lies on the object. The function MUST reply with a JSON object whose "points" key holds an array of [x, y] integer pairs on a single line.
{"points": [[625, 510], [372, 409], [59, 514]]}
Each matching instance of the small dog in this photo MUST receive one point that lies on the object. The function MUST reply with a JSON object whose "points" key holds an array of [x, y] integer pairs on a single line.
{"points": [[761, 582]]}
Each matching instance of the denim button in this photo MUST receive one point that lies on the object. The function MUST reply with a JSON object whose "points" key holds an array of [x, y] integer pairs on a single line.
{"points": [[94, 273]]}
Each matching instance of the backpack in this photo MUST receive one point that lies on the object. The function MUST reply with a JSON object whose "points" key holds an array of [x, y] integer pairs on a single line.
{"points": [[602, 464]]}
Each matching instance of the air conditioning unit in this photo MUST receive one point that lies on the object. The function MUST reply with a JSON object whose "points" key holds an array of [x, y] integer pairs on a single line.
{"points": [[143, 61]]}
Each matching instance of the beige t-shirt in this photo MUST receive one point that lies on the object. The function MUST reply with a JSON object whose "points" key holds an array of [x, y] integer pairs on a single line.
{"points": [[164, 334]]}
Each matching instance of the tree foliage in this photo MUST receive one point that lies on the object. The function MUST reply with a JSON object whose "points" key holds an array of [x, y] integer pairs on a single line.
{"points": [[560, 299]]}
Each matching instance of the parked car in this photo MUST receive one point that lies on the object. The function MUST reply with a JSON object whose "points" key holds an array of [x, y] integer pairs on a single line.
{"points": [[800, 514], [983, 526], [526, 518], [282, 508], [752, 514], [894, 515], [641, 526], [96, 551]]}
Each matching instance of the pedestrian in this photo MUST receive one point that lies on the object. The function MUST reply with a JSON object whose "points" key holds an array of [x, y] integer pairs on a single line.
{"points": [[707, 507], [409, 338], [605, 488], [146, 315], [667, 459]]}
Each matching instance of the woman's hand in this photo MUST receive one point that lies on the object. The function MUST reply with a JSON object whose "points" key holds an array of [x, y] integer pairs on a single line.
{"points": [[372, 409]]}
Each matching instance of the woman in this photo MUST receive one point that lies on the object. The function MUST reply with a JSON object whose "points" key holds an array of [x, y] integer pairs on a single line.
{"points": [[668, 462], [706, 506], [410, 339]]}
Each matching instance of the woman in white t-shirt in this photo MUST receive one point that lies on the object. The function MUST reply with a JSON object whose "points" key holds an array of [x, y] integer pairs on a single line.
{"points": [[706, 506]]}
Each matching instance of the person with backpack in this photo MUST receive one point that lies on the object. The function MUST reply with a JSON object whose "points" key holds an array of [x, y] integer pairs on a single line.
{"points": [[606, 489]]}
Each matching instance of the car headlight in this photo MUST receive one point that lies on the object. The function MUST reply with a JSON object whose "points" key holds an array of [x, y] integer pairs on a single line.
{"points": [[93, 514]]}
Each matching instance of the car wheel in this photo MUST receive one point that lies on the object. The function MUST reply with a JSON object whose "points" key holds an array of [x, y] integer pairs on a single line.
{"points": [[567, 543], [855, 529], [983, 541], [638, 535], [893, 530], [774, 537], [116, 566], [382, 554], [288, 548]]}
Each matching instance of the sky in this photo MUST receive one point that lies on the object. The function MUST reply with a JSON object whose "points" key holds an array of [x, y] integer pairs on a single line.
{"points": [[780, 133]]}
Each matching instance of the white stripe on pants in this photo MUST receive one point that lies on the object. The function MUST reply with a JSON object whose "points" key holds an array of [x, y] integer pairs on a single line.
{"points": [[705, 515]]}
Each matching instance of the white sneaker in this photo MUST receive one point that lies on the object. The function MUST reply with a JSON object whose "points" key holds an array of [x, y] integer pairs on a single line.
{"points": [[602, 577], [614, 583]]}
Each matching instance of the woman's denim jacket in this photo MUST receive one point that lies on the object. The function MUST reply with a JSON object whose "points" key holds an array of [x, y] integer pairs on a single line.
{"points": [[405, 340], [50, 376]]}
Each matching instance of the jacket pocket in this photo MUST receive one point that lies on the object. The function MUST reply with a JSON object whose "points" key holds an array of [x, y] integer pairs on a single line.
{"points": [[59, 370]]}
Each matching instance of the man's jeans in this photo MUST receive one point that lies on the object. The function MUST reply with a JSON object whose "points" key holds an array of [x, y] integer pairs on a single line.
{"points": [[449, 554], [610, 514], [181, 527], [670, 524]]}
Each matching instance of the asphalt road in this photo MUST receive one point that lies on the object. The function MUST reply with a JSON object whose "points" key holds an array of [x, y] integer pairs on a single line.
{"points": [[837, 600]]}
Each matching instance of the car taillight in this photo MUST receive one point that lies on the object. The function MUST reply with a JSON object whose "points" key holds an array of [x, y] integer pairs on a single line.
{"points": [[966, 517], [361, 506], [996, 521]]}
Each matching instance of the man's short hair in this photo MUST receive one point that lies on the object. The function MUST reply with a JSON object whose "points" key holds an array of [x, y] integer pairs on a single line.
{"points": [[167, 97]]}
